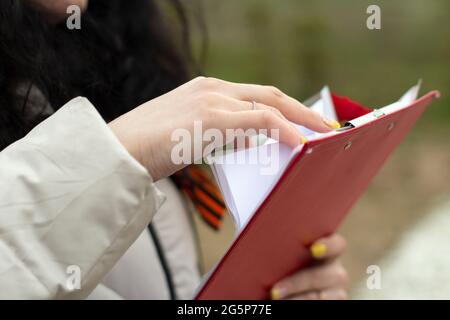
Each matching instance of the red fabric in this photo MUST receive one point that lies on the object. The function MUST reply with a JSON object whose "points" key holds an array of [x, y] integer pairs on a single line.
{"points": [[204, 194], [347, 109], [309, 201]]}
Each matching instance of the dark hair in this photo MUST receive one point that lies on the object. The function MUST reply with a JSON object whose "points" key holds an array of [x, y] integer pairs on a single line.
{"points": [[124, 54]]}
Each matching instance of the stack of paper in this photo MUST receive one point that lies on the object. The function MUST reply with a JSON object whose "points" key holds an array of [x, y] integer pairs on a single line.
{"points": [[247, 176]]}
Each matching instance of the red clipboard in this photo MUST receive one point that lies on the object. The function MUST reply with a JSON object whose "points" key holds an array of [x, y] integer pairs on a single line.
{"points": [[309, 201]]}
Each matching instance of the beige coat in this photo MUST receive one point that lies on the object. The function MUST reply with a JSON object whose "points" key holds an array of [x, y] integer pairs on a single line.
{"points": [[139, 273], [74, 211]]}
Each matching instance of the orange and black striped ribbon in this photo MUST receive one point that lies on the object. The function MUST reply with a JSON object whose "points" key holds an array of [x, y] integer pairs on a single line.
{"points": [[205, 196]]}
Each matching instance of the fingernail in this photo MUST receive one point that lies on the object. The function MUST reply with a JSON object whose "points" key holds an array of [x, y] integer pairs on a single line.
{"points": [[318, 250], [333, 124], [276, 293], [303, 140]]}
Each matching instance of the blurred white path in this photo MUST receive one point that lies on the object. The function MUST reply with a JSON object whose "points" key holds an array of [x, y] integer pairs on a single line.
{"points": [[418, 267]]}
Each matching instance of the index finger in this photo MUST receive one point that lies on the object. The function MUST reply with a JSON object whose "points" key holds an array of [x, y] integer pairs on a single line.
{"points": [[291, 108], [328, 247]]}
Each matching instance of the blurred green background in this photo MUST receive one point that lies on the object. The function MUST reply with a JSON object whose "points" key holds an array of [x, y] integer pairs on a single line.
{"points": [[300, 46]]}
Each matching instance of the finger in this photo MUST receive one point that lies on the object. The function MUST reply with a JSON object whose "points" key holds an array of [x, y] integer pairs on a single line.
{"points": [[223, 102], [326, 294], [328, 247], [289, 107], [238, 105], [226, 103], [276, 127], [311, 279], [247, 141], [337, 293]]}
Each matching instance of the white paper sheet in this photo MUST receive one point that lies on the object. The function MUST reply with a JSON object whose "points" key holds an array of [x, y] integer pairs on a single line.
{"points": [[241, 177], [245, 183]]}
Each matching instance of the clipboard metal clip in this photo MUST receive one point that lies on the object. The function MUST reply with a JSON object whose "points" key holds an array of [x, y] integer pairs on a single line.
{"points": [[346, 126]]}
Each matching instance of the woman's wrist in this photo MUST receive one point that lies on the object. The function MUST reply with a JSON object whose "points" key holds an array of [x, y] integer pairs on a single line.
{"points": [[122, 135]]}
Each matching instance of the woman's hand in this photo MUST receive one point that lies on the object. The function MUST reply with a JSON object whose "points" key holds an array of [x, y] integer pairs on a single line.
{"points": [[146, 130], [326, 279]]}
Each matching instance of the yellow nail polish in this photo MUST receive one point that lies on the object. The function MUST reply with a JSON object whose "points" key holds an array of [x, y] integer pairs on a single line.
{"points": [[303, 140], [333, 124], [275, 294], [318, 250]]}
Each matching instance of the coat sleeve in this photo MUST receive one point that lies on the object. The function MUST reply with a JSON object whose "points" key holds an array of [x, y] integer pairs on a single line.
{"points": [[72, 200]]}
